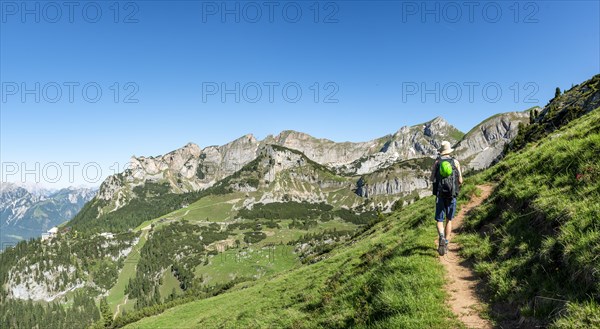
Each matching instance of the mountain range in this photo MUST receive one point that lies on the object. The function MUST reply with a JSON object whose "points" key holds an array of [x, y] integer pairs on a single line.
{"points": [[191, 168], [27, 212]]}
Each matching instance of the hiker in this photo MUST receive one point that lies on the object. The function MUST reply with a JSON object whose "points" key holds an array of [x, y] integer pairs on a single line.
{"points": [[446, 177]]}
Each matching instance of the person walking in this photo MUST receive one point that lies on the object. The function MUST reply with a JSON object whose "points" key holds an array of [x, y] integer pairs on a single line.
{"points": [[446, 178]]}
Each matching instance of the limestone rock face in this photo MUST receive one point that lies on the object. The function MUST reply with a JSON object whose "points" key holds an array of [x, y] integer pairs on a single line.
{"points": [[402, 178], [396, 185], [14, 202], [482, 146], [283, 174], [186, 169], [324, 151]]}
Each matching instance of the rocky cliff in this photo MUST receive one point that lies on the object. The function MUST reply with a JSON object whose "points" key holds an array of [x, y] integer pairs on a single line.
{"points": [[186, 169], [14, 202], [325, 151], [482, 146], [284, 174], [402, 178]]}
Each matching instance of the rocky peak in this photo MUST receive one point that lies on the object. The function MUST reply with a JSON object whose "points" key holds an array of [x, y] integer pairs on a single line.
{"points": [[14, 201], [409, 142], [191, 148], [321, 150], [175, 160], [5, 186], [402, 131], [438, 121], [292, 136], [435, 125], [244, 140]]}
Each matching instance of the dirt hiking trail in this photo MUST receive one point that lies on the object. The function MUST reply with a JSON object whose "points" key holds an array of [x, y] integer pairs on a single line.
{"points": [[460, 281]]}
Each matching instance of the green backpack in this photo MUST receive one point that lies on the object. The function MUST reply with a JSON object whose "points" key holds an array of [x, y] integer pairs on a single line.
{"points": [[446, 178]]}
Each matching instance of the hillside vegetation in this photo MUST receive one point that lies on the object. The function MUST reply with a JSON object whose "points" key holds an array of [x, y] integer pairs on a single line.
{"points": [[537, 239], [387, 276], [559, 111], [49, 271]]}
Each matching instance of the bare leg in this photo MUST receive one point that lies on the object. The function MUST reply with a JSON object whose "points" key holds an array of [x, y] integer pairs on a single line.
{"points": [[448, 229], [440, 227]]}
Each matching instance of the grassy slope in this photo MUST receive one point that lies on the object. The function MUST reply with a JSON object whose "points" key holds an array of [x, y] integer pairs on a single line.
{"points": [[235, 263], [116, 294], [537, 240], [170, 282], [389, 277], [214, 207]]}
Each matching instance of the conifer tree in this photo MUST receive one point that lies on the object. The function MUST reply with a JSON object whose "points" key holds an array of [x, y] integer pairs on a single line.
{"points": [[107, 315]]}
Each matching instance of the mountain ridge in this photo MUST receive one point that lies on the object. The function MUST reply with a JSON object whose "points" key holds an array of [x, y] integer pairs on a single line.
{"points": [[191, 169]]}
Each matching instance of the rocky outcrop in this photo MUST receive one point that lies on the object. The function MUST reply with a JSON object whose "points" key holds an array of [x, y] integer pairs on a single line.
{"points": [[399, 179], [185, 170], [573, 103], [51, 276], [396, 185], [28, 288], [563, 108], [14, 203], [482, 146], [478, 149], [191, 168]]}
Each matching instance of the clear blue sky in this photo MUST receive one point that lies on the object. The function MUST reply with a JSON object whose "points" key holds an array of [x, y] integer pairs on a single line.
{"points": [[375, 57]]}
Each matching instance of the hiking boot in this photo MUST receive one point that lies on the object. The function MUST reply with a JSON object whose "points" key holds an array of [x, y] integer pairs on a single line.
{"points": [[442, 247], [446, 243]]}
